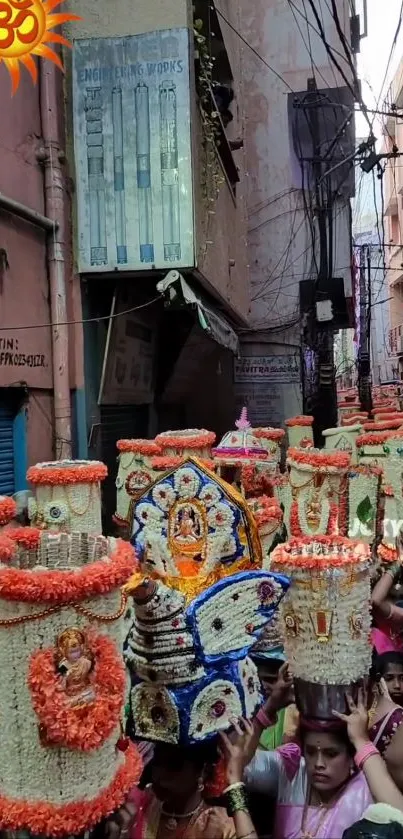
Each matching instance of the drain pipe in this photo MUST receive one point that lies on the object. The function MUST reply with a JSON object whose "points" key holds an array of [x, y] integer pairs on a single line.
{"points": [[52, 157]]}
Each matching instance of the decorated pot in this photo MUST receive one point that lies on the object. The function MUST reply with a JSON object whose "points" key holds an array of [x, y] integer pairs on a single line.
{"points": [[178, 445], [135, 474], [318, 480], [325, 619], [271, 439], [299, 431], [343, 439], [65, 766], [67, 495]]}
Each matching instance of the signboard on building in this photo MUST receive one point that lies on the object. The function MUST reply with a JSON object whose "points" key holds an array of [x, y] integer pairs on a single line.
{"points": [[129, 358], [269, 386], [132, 146]]}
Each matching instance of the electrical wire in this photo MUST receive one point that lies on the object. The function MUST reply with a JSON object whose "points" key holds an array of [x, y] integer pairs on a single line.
{"points": [[85, 320], [252, 49]]}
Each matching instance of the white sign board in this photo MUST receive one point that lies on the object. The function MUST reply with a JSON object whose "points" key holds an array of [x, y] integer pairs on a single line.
{"points": [[269, 387], [132, 147]]}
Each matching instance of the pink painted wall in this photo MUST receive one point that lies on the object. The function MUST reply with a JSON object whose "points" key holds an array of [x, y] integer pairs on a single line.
{"points": [[25, 354]]}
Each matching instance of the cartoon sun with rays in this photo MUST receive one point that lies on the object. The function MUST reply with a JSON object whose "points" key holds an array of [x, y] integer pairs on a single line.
{"points": [[25, 31]]}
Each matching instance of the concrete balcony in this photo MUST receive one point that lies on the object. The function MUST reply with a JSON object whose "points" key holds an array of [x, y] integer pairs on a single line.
{"points": [[394, 266]]}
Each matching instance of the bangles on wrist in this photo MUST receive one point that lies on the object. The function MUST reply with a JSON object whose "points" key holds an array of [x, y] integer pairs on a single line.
{"points": [[266, 720], [365, 752], [236, 799]]}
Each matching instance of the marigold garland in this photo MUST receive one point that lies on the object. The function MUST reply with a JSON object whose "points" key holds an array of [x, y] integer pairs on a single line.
{"points": [[387, 425], [386, 553], [197, 441], [300, 421], [8, 510], [319, 459], [42, 818], [144, 447], [78, 727], [7, 549], [26, 537], [90, 473], [100, 577], [269, 511], [275, 434], [373, 439]]}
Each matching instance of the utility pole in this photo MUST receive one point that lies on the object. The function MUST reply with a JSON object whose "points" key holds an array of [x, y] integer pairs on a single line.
{"points": [[324, 407], [364, 365]]}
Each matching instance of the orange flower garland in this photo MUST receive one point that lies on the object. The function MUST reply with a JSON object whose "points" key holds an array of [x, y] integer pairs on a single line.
{"points": [[25, 537], [7, 549], [90, 473], [57, 587], [319, 459], [197, 441], [373, 439], [275, 434], [165, 463], [300, 421], [145, 447], [42, 818], [81, 727], [386, 553], [8, 510], [383, 426]]}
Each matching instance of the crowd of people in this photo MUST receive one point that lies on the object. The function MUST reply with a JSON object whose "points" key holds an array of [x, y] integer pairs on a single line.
{"points": [[284, 776]]}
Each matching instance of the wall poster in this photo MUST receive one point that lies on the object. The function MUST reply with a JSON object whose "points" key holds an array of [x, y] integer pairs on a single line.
{"points": [[132, 146]]}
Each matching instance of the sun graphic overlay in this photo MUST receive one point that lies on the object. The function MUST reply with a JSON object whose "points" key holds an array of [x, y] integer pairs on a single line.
{"points": [[25, 31]]}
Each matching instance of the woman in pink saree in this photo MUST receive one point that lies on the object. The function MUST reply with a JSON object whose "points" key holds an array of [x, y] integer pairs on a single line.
{"points": [[319, 793]]}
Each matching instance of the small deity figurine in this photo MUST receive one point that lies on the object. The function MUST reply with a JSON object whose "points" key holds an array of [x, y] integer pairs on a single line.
{"points": [[186, 527], [75, 663]]}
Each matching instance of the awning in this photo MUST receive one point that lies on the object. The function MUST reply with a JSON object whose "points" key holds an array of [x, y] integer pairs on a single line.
{"points": [[177, 291]]}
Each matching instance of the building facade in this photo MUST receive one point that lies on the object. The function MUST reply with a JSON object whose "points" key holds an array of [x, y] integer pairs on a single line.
{"points": [[155, 125], [41, 371], [393, 220], [288, 57]]}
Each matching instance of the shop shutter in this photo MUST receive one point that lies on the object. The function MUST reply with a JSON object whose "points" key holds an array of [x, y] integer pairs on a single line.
{"points": [[7, 414], [118, 422]]}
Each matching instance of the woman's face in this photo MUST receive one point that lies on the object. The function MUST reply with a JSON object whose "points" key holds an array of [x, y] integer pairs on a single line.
{"points": [[328, 762], [174, 776], [394, 680]]}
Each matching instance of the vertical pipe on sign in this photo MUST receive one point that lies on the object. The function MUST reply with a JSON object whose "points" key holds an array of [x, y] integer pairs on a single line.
{"points": [[52, 157], [119, 176]]}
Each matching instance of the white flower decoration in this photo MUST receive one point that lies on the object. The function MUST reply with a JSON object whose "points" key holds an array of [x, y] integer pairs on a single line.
{"points": [[228, 546], [148, 514], [210, 495], [220, 516], [187, 483], [32, 509], [164, 496], [119, 482], [55, 512]]}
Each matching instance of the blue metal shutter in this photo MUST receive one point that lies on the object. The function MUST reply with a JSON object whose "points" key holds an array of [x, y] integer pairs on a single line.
{"points": [[7, 414]]}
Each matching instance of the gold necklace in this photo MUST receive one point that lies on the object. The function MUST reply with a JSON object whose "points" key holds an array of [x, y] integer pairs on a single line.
{"points": [[307, 834], [172, 819], [373, 709]]}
